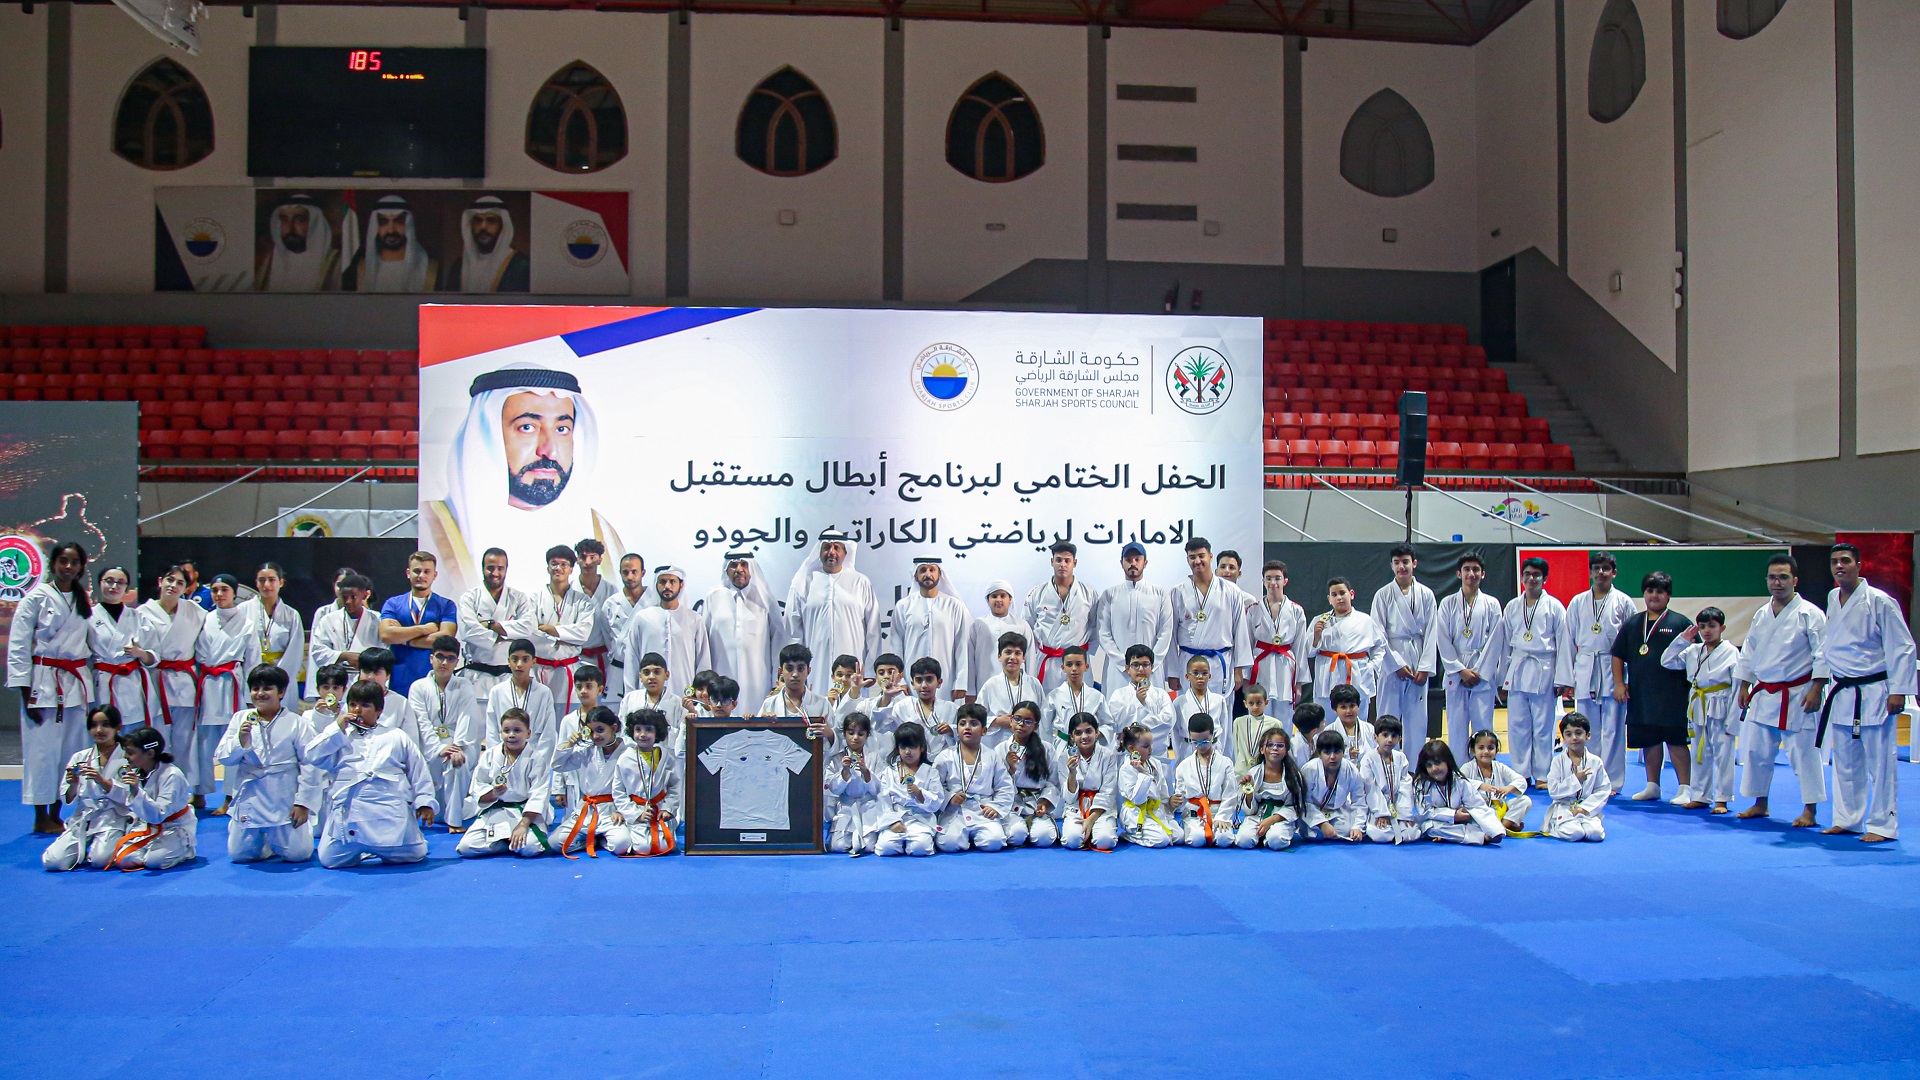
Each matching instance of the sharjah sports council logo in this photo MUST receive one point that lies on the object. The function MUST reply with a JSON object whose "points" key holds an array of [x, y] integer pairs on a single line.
{"points": [[1199, 379], [945, 376], [308, 526], [586, 242], [21, 565], [204, 239]]}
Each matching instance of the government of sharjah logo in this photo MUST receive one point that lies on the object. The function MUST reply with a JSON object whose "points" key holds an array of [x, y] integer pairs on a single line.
{"points": [[1199, 379], [204, 238], [945, 376], [21, 565], [586, 242]]}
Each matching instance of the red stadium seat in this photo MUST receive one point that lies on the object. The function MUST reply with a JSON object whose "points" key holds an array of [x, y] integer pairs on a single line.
{"points": [[356, 445], [389, 445], [196, 444], [290, 444], [309, 415], [1335, 454], [1303, 452], [1478, 455], [323, 443], [160, 443], [1506, 457], [228, 444]]}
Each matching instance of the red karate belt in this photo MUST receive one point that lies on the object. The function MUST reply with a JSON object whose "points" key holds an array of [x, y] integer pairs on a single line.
{"points": [[71, 668], [1345, 659], [568, 665], [1048, 653], [661, 839], [597, 656], [1086, 804], [589, 806], [1206, 814], [133, 842], [131, 667], [187, 667], [1262, 650], [1786, 699], [200, 678]]}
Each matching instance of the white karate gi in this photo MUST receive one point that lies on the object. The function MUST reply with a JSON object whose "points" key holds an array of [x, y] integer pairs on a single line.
{"points": [[1388, 784], [611, 620], [1709, 713], [119, 679], [1206, 792], [173, 639], [380, 779], [528, 780], [1267, 799], [455, 718], [1508, 797], [1532, 675], [592, 808], [1430, 809], [335, 634], [856, 801], [280, 639], [1145, 817], [1780, 657], [1866, 635], [600, 649], [485, 655], [264, 780], [95, 822], [1126, 615], [647, 782], [1342, 803], [164, 828], [48, 651], [1214, 704], [745, 632], [998, 697], [226, 652], [1567, 788], [1214, 625], [1473, 641], [939, 627], [1279, 639], [910, 709], [1027, 825], [898, 806], [1413, 641], [1350, 651], [1125, 708], [1057, 622], [1089, 784], [537, 700], [833, 615], [983, 661], [984, 783], [557, 654], [1064, 703], [1586, 658]]}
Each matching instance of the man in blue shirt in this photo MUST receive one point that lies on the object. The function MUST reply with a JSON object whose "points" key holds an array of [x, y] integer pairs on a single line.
{"points": [[196, 592], [409, 622]]}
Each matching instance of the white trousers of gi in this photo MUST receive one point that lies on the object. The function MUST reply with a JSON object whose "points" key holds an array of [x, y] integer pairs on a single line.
{"points": [[1279, 835], [1530, 720], [339, 853], [1073, 832], [958, 834], [84, 841], [168, 850], [1469, 709], [1866, 784], [1714, 773], [1194, 830], [206, 740], [179, 736], [1566, 825], [1609, 719], [1760, 745], [46, 745], [1038, 830], [293, 843], [1407, 701], [1394, 832], [916, 840]]}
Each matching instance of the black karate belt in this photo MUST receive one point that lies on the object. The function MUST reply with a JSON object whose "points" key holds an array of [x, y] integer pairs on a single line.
{"points": [[1845, 682], [488, 669]]}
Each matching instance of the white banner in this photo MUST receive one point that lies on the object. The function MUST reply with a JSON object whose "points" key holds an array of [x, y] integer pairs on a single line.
{"points": [[981, 438], [312, 522]]}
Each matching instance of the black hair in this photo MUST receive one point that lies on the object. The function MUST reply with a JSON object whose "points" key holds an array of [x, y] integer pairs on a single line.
{"points": [[1781, 558], [1290, 773], [723, 688], [1037, 765], [335, 674], [1389, 725], [1273, 564], [1344, 694], [1252, 688], [1535, 562], [1199, 722], [1330, 741], [106, 709], [1308, 715], [277, 569], [265, 675], [82, 602], [356, 581], [972, 710], [590, 546], [491, 552], [702, 679], [1576, 720], [1229, 553], [649, 718], [368, 692], [445, 643], [909, 734], [887, 658], [149, 740], [926, 665], [845, 660], [1403, 549], [521, 644], [589, 673], [652, 659], [1712, 615], [1337, 580], [1658, 581], [517, 713], [1079, 718], [1139, 650], [1470, 557], [1074, 650], [1201, 658], [1434, 750], [1011, 640], [1132, 734], [856, 720], [1198, 543], [1473, 740], [1601, 558], [1063, 547], [378, 658], [561, 551], [795, 653]]}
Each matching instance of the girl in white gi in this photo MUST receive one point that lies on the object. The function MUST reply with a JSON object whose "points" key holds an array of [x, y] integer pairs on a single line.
{"points": [[96, 822], [1388, 776], [508, 799], [1206, 789], [1533, 672], [1012, 685], [979, 793], [1143, 790], [1443, 805], [925, 706], [591, 755], [261, 748], [1089, 783], [275, 627], [119, 679], [1337, 801], [854, 785], [1577, 783], [226, 652], [1072, 697], [520, 690], [382, 794], [169, 638], [444, 705], [1273, 795], [1036, 780], [48, 649], [910, 796], [154, 794], [1139, 701], [1503, 790], [1709, 663], [1199, 698], [647, 790], [1348, 647]]}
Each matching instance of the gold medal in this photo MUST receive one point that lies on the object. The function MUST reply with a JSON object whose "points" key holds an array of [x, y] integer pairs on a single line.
{"points": [[441, 732], [1643, 650], [1596, 628], [1066, 619], [1200, 617], [1528, 636]]}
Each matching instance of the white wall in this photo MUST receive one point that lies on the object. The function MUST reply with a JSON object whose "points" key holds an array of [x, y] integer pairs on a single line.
{"points": [[739, 249], [1886, 41], [1763, 325], [631, 51], [1517, 157], [23, 169], [1438, 224], [1236, 126], [1620, 184], [949, 251]]}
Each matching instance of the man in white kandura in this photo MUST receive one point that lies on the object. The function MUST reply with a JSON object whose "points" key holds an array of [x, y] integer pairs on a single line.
{"points": [[1404, 608], [831, 610], [744, 627], [1210, 620], [1594, 619], [932, 620], [674, 630], [1278, 632], [303, 258], [1870, 654], [1473, 650], [1060, 610], [1131, 613]]}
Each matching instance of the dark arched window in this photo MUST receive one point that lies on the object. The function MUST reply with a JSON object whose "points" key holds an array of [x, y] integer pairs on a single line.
{"points": [[1741, 19], [1617, 64], [786, 127], [164, 120], [1386, 150], [994, 132], [576, 123]]}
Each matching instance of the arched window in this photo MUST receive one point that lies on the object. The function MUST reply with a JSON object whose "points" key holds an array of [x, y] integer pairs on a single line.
{"points": [[1741, 19], [1386, 150], [164, 120], [1617, 64], [786, 127], [994, 132], [576, 122]]}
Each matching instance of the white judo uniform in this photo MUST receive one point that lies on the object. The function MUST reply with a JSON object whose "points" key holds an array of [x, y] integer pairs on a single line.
{"points": [[1431, 808], [910, 709], [1066, 701], [163, 832], [1586, 658], [1278, 635], [528, 778], [264, 779], [1268, 798], [1532, 674], [1869, 653], [279, 638], [1143, 792], [982, 783], [174, 639], [1780, 657], [1349, 651], [335, 634], [1058, 621], [1206, 792], [226, 652], [856, 801], [1000, 695], [49, 648], [1502, 789], [380, 779], [454, 717], [1388, 783], [1216, 705], [558, 653], [1470, 638], [1709, 713], [1408, 619], [1126, 615], [1342, 802], [1584, 785], [1030, 823], [593, 813], [1212, 624], [611, 620], [647, 794], [899, 806], [536, 700], [119, 678], [95, 822], [482, 652], [1152, 706], [1089, 784]]}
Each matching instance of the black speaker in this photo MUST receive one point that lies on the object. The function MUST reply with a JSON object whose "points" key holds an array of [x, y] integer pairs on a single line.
{"points": [[1412, 468]]}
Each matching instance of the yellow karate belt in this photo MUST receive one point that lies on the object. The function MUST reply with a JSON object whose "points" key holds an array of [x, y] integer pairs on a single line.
{"points": [[1499, 807], [1151, 809], [1697, 714]]}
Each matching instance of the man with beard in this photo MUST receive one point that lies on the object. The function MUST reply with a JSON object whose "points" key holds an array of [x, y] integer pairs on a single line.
{"points": [[614, 612], [489, 262], [490, 617], [674, 630], [518, 476], [932, 621], [831, 610], [744, 627], [392, 259], [303, 258], [1131, 613]]}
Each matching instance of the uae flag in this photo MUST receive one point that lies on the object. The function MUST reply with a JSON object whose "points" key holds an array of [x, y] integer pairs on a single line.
{"points": [[1733, 579]]}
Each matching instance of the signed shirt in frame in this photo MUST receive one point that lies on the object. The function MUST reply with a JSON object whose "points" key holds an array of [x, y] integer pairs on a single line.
{"points": [[752, 766]]}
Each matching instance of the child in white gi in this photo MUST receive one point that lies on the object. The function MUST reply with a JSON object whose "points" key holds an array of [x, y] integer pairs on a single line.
{"points": [[1011, 686], [854, 785], [1533, 671], [1348, 647], [1143, 791], [95, 822], [1139, 702], [1357, 733], [1503, 790], [1199, 698], [1309, 720], [592, 757], [1577, 783], [1337, 801], [925, 706], [588, 681], [1247, 729], [520, 690], [1709, 663], [1273, 794], [1206, 790], [508, 800], [1031, 765], [979, 792], [789, 696], [445, 706], [1444, 805], [382, 794], [261, 749], [910, 797], [1089, 784], [1072, 697], [651, 670], [647, 789], [1388, 776], [156, 795]]}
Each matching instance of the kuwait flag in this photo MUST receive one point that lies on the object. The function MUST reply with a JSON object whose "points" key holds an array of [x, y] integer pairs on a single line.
{"points": [[1733, 579]]}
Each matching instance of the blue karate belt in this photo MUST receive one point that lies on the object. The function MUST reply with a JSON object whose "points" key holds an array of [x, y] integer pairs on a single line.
{"points": [[1213, 655]]}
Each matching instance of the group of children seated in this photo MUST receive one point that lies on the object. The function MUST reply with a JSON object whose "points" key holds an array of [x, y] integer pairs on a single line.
{"points": [[362, 774]]}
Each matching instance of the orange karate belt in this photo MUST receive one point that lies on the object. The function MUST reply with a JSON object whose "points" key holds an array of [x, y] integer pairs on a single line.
{"points": [[1086, 804], [72, 668], [1786, 699], [1345, 659], [131, 667], [658, 844], [1206, 814], [133, 842], [589, 807]]}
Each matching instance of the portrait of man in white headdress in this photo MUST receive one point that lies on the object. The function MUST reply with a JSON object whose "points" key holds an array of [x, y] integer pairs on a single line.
{"points": [[488, 261], [519, 477], [302, 256], [392, 259]]}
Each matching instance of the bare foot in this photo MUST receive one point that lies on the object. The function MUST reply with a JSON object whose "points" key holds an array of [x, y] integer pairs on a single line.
{"points": [[453, 830], [1719, 808], [1831, 830], [1753, 811], [1875, 838], [1695, 805], [220, 811]]}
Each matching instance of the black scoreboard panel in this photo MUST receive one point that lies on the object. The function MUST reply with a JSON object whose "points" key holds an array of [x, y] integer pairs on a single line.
{"points": [[404, 112]]}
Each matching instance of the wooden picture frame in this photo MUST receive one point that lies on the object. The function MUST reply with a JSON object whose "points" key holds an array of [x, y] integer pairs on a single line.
{"points": [[702, 810]]}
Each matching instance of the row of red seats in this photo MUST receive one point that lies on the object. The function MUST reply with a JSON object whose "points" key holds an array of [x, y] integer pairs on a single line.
{"points": [[284, 445], [275, 415], [1375, 377], [230, 388], [1355, 353], [1338, 330], [1299, 399], [1368, 454], [1514, 429], [95, 336], [212, 361]]}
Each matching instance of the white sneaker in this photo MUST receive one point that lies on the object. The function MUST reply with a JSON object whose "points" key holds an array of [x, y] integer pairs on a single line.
{"points": [[1651, 792], [1685, 796]]}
